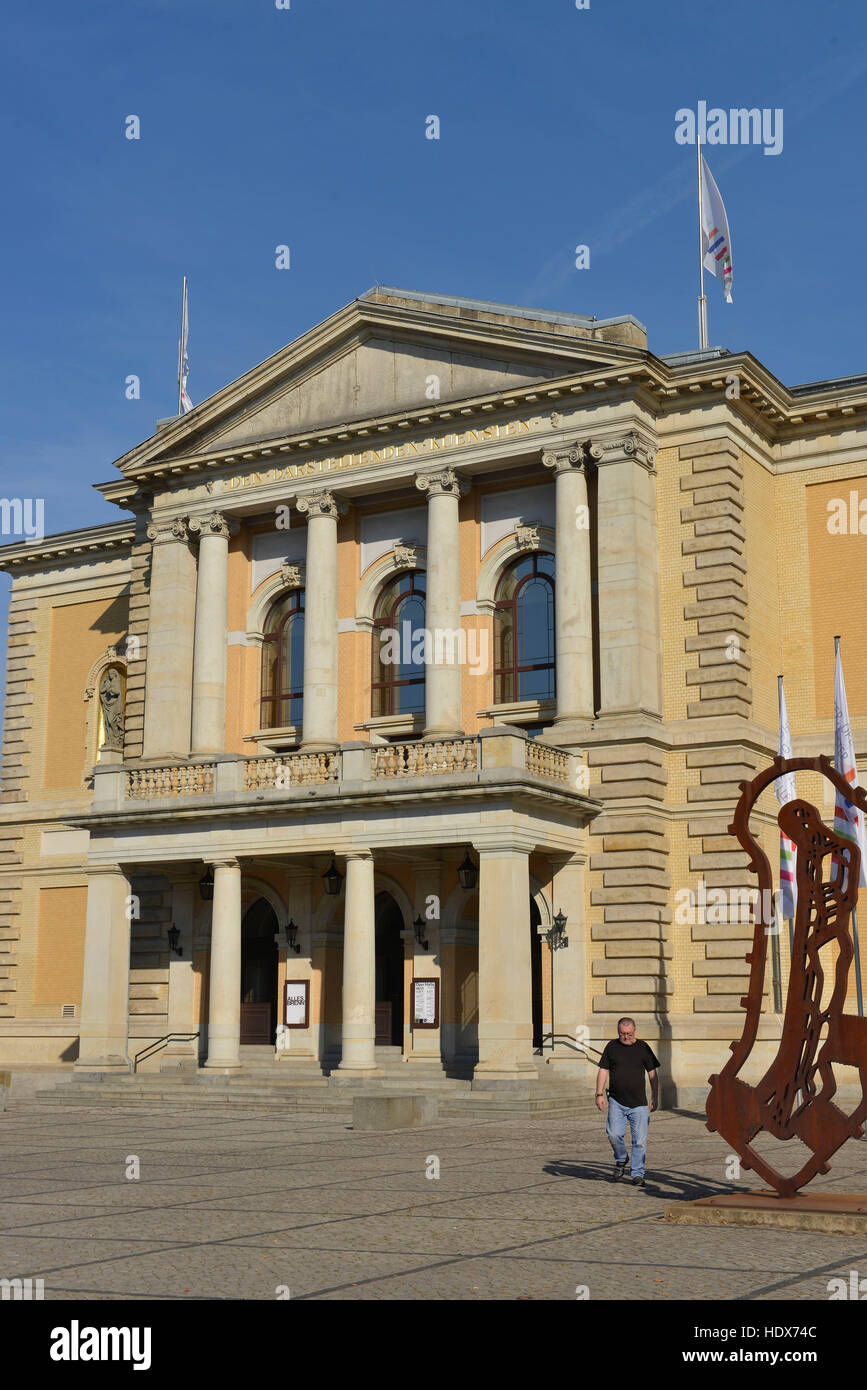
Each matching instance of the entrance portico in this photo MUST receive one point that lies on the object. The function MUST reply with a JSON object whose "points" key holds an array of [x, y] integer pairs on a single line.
{"points": [[474, 943]]}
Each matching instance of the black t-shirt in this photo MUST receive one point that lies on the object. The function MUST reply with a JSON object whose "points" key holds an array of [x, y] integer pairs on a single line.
{"points": [[626, 1064]]}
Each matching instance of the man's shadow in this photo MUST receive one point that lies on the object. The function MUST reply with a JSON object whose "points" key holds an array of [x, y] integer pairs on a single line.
{"points": [[673, 1185]]}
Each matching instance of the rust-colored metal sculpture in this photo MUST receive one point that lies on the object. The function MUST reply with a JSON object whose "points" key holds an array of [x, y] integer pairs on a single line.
{"points": [[786, 1102]]}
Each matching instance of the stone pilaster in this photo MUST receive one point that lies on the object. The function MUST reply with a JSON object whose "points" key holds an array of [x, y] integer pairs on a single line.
{"points": [[224, 996], [505, 972], [630, 644], [320, 622], [183, 1053], [19, 697], [422, 1046], [211, 633], [136, 644], [104, 1044], [299, 1046], [570, 1002], [443, 718], [573, 602], [171, 626], [716, 584], [630, 882]]}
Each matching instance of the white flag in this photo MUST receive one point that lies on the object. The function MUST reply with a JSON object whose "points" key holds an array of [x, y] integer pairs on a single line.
{"points": [[183, 361], [848, 820], [715, 232], [784, 790]]}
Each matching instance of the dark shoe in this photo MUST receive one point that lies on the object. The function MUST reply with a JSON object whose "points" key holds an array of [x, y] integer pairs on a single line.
{"points": [[619, 1170], [638, 1182]]}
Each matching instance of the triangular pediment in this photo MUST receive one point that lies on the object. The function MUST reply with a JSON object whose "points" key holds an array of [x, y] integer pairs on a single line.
{"points": [[378, 357]]}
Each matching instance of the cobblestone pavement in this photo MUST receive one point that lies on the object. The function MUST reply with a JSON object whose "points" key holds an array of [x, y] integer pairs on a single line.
{"points": [[242, 1203]]}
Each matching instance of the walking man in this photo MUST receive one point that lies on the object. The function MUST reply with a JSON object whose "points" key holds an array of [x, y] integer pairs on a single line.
{"points": [[626, 1059]]}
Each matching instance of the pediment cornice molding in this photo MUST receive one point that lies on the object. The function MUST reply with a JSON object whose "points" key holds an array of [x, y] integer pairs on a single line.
{"points": [[775, 415]]}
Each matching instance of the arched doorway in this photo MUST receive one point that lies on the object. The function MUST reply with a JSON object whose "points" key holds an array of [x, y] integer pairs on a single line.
{"points": [[389, 972], [258, 974], [536, 974]]}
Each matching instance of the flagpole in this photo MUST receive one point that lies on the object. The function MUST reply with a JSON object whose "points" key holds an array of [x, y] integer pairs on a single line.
{"points": [[702, 301], [181, 346]]}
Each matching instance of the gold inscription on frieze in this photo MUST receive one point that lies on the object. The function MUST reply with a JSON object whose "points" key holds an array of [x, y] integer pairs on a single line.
{"points": [[408, 449]]}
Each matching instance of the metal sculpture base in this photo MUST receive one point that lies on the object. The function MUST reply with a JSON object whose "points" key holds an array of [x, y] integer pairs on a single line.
{"points": [[831, 1212]]}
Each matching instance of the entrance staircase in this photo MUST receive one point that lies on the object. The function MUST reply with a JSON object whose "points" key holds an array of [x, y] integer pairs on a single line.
{"points": [[264, 1083]]}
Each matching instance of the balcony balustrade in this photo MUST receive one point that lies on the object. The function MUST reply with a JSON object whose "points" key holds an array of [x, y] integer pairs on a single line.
{"points": [[493, 758]]}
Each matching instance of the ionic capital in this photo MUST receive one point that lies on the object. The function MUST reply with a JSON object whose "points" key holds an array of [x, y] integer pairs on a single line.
{"points": [[573, 458], [442, 483], [215, 524], [168, 529], [322, 503], [631, 445]]}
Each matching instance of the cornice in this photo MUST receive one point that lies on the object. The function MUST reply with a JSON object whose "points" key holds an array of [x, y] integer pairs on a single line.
{"points": [[90, 540], [764, 405]]}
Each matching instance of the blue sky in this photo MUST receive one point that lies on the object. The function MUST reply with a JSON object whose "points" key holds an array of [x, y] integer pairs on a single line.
{"points": [[306, 127]]}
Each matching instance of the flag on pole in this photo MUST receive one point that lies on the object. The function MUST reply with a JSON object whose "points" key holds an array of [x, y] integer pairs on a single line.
{"points": [[784, 790], [184, 402], [848, 820], [715, 230]]}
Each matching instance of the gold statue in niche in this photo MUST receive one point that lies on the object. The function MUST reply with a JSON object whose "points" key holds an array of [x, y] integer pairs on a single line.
{"points": [[111, 711]]}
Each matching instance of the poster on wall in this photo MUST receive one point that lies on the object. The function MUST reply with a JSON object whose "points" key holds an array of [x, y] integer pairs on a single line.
{"points": [[426, 1003], [295, 1003]]}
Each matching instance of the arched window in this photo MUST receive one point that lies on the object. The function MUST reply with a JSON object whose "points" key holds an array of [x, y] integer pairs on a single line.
{"points": [[283, 663], [399, 646], [524, 632]]}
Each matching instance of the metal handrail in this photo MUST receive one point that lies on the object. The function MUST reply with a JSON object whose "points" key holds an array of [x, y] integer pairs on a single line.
{"points": [[583, 1049], [160, 1042]]}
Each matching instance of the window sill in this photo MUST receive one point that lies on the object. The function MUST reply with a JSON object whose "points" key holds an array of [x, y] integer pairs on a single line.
{"points": [[520, 713], [275, 740], [388, 726]]}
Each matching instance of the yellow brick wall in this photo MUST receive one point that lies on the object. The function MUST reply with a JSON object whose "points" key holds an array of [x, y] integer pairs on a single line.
{"points": [[77, 634], [60, 946], [837, 576]]}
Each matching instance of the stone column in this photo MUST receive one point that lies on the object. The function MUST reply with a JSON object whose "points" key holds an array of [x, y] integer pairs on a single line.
{"points": [[212, 633], [443, 604], [572, 601], [571, 1005], [630, 652], [171, 624], [319, 732], [505, 979], [104, 1030], [182, 1054], [359, 969], [422, 1046], [224, 999]]}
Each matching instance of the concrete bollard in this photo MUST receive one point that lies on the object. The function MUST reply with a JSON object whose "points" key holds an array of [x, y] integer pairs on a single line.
{"points": [[393, 1112]]}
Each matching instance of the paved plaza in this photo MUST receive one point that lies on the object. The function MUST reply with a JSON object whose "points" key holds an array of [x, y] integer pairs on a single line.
{"points": [[248, 1204]]}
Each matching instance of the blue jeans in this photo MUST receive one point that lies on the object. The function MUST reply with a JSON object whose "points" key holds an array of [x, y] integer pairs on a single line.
{"points": [[639, 1119]]}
